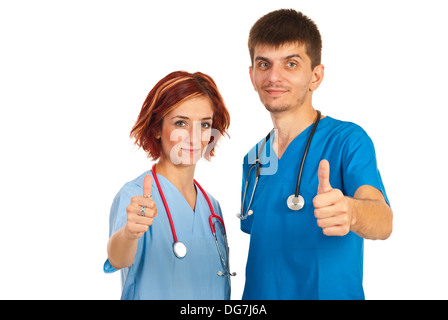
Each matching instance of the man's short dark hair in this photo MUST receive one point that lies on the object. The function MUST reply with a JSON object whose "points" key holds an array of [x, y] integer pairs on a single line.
{"points": [[286, 26]]}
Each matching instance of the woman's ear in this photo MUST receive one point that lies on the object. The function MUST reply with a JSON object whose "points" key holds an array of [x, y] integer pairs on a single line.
{"points": [[158, 133]]}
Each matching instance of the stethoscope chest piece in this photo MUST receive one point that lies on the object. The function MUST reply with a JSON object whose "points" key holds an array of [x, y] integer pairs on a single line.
{"points": [[295, 203], [180, 250]]}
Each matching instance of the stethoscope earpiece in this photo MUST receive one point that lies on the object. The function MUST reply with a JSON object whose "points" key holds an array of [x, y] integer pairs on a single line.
{"points": [[239, 216], [220, 273]]}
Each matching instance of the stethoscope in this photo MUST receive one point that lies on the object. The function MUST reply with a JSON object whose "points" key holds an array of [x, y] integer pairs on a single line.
{"points": [[179, 248], [295, 201]]}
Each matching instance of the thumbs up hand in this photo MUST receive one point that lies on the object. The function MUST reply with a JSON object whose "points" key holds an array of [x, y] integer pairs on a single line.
{"points": [[332, 208], [141, 211]]}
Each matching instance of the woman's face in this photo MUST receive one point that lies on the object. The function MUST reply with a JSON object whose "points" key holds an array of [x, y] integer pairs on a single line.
{"points": [[186, 131]]}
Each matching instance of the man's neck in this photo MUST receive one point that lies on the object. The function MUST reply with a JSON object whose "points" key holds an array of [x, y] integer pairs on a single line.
{"points": [[289, 124]]}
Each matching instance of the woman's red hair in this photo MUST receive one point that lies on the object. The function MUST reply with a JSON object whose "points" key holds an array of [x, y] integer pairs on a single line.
{"points": [[168, 94]]}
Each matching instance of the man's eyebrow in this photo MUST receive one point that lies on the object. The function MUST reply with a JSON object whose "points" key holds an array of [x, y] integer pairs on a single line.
{"points": [[261, 58], [295, 55]]}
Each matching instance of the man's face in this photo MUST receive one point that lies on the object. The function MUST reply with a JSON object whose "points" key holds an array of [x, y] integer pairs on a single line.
{"points": [[283, 77]]}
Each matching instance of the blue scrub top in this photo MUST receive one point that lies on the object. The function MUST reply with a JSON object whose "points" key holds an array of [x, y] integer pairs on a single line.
{"points": [[289, 256], [156, 272]]}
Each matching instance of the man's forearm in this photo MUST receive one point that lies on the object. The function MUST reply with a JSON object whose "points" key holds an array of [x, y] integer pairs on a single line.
{"points": [[371, 219]]}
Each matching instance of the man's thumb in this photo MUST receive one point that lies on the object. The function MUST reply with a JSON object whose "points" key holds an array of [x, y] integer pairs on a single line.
{"points": [[324, 177]]}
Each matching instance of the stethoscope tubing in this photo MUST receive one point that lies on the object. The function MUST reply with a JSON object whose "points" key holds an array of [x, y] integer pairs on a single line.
{"points": [[210, 220], [212, 211], [302, 163], [257, 175], [165, 204], [258, 165]]}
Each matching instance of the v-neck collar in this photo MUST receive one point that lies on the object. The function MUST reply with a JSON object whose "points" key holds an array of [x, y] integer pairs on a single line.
{"points": [[179, 194], [291, 144], [299, 138]]}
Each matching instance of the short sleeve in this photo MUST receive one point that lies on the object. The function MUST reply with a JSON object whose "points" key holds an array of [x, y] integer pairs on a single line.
{"points": [[118, 216], [216, 205], [360, 164]]}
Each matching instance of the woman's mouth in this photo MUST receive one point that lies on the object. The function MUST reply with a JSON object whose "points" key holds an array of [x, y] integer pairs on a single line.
{"points": [[190, 151]]}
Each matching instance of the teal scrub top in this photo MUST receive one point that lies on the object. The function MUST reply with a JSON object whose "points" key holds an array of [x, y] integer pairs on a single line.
{"points": [[156, 272], [289, 256]]}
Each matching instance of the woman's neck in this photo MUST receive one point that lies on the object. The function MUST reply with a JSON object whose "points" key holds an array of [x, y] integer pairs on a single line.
{"points": [[182, 177]]}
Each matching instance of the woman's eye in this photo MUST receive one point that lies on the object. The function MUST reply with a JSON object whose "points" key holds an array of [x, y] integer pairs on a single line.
{"points": [[180, 123], [206, 125]]}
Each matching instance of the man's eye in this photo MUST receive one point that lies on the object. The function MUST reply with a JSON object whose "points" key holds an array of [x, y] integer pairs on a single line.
{"points": [[292, 64]]}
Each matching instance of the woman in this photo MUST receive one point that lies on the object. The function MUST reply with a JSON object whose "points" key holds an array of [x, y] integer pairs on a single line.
{"points": [[160, 235]]}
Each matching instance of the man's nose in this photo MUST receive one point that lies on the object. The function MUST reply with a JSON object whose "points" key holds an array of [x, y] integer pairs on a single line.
{"points": [[275, 73]]}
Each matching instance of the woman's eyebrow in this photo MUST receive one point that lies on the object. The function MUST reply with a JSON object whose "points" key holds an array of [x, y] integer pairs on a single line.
{"points": [[187, 118], [182, 117]]}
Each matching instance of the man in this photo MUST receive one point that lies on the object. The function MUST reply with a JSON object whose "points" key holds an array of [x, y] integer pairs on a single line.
{"points": [[317, 251]]}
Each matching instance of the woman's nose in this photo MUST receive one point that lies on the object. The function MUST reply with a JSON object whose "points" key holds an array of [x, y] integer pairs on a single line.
{"points": [[194, 134]]}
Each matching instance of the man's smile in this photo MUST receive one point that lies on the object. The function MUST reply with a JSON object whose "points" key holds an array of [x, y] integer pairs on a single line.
{"points": [[275, 91]]}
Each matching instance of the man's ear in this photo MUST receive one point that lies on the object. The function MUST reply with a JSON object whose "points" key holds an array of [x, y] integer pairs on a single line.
{"points": [[318, 76], [251, 74]]}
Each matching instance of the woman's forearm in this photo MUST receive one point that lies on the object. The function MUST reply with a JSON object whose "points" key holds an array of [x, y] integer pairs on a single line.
{"points": [[121, 249]]}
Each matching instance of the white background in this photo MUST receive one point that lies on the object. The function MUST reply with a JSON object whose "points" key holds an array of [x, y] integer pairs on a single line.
{"points": [[73, 77]]}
